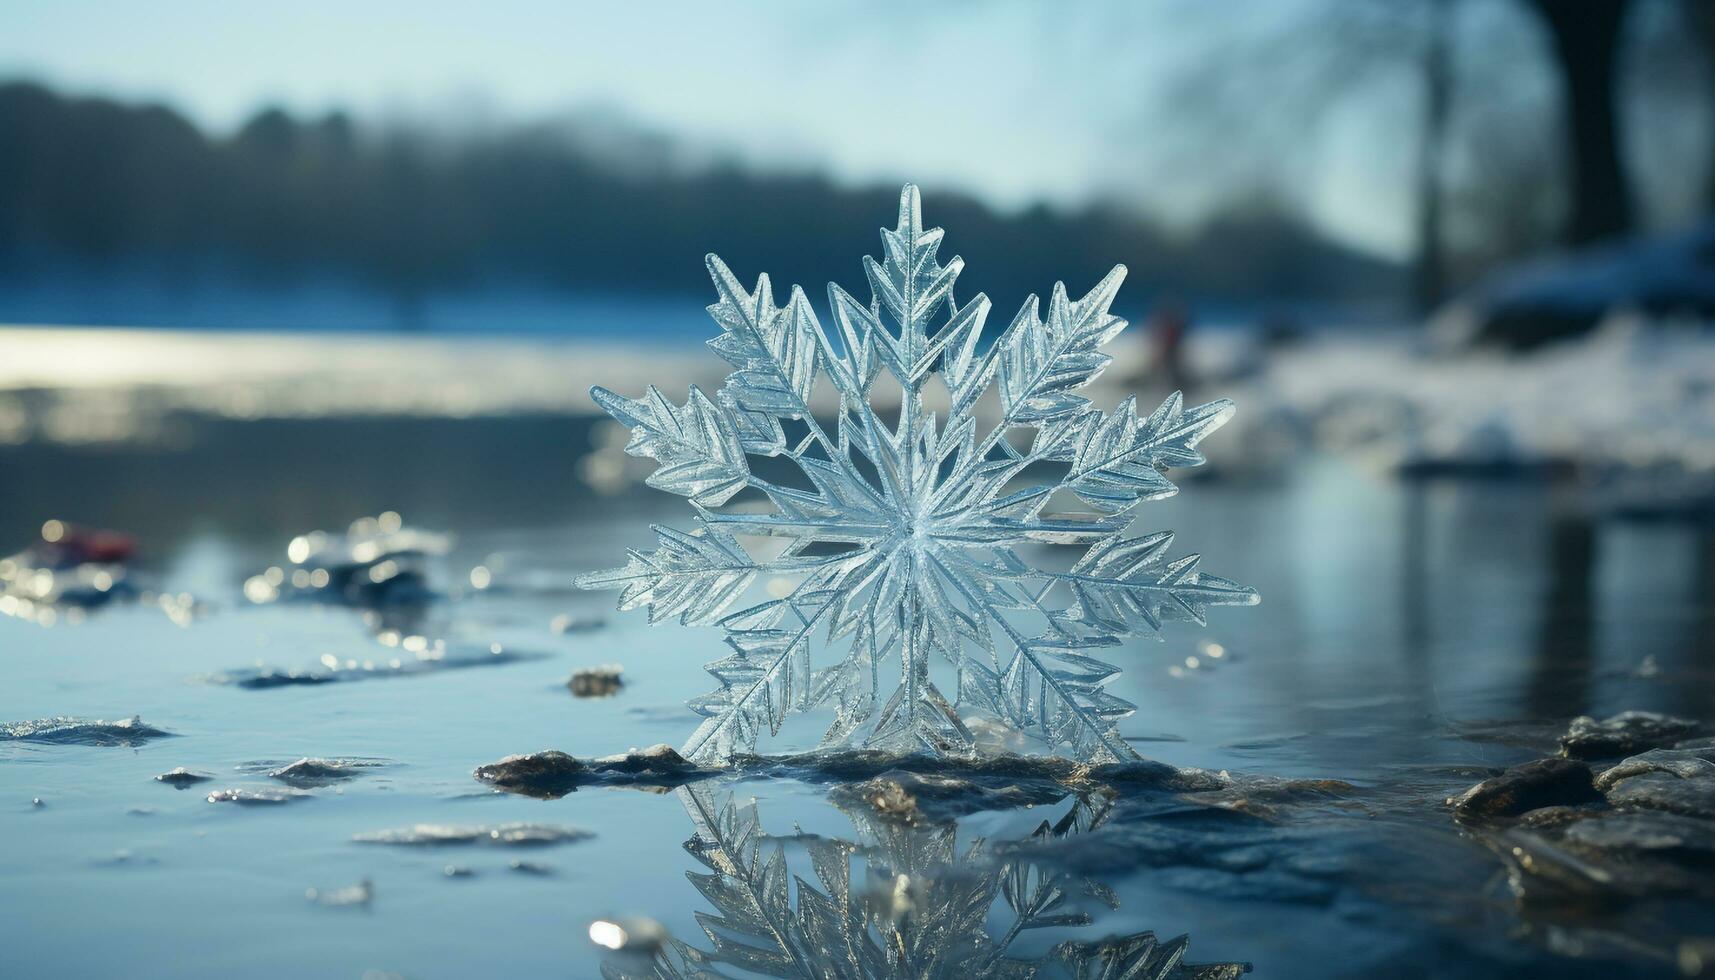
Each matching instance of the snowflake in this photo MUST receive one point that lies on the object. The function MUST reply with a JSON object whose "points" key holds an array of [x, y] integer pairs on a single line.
{"points": [[902, 542]]}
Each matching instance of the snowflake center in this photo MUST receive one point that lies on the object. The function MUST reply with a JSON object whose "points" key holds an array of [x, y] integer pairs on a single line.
{"points": [[917, 525]]}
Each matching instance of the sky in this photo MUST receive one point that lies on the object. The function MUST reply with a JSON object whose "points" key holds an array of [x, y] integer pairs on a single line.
{"points": [[1016, 102]]}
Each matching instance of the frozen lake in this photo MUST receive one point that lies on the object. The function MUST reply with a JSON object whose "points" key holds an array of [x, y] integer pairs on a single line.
{"points": [[1412, 637]]}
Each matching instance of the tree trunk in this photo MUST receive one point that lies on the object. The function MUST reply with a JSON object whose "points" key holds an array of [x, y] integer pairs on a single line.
{"points": [[1429, 276], [1700, 17], [1586, 44]]}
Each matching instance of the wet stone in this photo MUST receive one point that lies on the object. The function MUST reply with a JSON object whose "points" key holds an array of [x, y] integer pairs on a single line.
{"points": [[1665, 791], [1610, 856], [886, 797], [1660, 833], [912, 797], [1680, 780], [1626, 733], [1263, 796], [546, 775], [500, 835], [996, 771], [552, 774], [660, 760], [1681, 762], [1549, 817], [1653, 836], [260, 796], [1543, 783], [182, 778], [596, 682], [1542, 872], [308, 773]]}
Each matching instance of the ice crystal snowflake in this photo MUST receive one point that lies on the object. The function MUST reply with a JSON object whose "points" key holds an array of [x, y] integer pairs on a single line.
{"points": [[902, 541]]}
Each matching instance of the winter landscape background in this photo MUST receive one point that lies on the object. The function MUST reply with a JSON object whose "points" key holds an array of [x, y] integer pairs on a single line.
{"points": [[268, 269]]}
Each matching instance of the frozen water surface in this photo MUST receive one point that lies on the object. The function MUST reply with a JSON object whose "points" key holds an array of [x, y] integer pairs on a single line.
{"points": [[1417, 638]]}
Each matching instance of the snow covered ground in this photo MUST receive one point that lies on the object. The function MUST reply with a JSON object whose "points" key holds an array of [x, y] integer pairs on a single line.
{"points": [[1632, 393], [1629, 407]]}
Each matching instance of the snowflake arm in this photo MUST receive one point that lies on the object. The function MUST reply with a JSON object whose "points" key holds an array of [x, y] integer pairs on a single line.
{"points": [[698, 449], [1117, 460], [1051, 689], [1125, 580], [767, 676]]}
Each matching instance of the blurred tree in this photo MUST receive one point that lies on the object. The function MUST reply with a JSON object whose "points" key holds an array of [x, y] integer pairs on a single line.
{"points": [[1700, 19], [1429, 279], [1489, 78], [1586, 44], [1258, 91], [409, 213]]}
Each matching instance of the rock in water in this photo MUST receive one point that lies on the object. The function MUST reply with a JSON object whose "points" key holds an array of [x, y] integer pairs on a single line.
{"points": [[596, 682], [546, 775], [1545, 782], [310, 773], [501, 835], [1654, 833], [659, 760], [889, 799], [260, 796], [552, 774], [1608, 856], [1626, 733], [912, 797], [1663, 789], [1683, 763], [182, 778]]}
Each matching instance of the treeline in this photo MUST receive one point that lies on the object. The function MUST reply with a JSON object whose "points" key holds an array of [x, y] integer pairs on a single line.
{"points": [[92, 182]]}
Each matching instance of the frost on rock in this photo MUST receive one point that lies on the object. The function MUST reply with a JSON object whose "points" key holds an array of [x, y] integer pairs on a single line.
{"points": [[900, 545]]}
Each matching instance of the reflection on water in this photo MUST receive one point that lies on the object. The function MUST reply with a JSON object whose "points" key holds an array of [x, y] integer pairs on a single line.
{"points": [[1565, 654], [903, 897]]}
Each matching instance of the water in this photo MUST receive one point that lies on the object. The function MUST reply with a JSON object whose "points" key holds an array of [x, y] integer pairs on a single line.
{"points": [[1411, 636]]}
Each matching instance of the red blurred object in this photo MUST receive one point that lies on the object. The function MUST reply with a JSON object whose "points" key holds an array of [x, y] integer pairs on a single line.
{"points": [[64, 545]]}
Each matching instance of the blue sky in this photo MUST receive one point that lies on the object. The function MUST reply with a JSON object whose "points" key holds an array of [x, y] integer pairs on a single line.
{"points": [[1017, 102]]}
